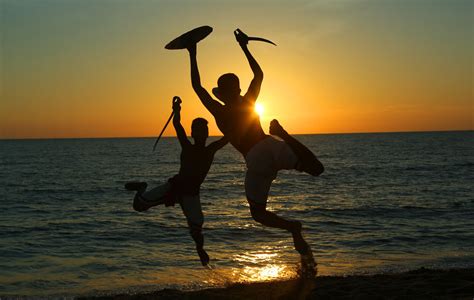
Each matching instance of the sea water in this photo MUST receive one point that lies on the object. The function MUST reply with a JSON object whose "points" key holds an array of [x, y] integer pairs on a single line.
{"points": [[386, 202]]}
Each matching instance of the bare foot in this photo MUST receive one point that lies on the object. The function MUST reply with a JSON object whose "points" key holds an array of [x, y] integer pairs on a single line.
{"points": [[277, 129], [309, 267], [138, 186], [203, 256], [300, 244]]}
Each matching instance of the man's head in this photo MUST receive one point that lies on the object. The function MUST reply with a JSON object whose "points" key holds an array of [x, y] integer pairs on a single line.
{"points": [[228, 88], [199, 130]]}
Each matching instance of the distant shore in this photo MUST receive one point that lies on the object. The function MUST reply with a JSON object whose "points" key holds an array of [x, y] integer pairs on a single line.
{"points": [[418, 284]]}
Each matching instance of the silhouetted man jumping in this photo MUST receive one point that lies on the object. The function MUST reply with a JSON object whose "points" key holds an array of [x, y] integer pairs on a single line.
{"points": [[264, 155], [196, 160]]}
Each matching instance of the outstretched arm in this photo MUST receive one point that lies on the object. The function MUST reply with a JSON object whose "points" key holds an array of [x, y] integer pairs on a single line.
{"points": [[254, 88], [180, 132], [206, 99], [215, 146]]}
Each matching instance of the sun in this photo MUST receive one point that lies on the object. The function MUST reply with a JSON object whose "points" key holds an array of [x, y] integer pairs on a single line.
{"points": [[259, 109]]}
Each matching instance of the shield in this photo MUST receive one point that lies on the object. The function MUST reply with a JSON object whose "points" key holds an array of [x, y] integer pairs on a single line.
{"points": [[189, 38]]}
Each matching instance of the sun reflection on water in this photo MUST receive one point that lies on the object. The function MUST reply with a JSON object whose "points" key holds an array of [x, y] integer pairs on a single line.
{"points": [[260, 265], [265, 273], [253, 266]]}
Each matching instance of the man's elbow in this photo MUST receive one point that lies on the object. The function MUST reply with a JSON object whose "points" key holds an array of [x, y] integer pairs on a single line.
{"points": [[197, 87]]}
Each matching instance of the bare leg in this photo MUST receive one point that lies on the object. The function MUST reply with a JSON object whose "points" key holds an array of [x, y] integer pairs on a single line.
{"points": [[196, 234], [308, 161], [198, 237], [138, 186], [191, 206], [267, 218], [144, 199]]}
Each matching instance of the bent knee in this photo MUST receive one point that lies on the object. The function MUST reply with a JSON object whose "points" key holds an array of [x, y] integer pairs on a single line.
{"points": [[195, 220], [195, 224], [316, 168], [257, 213], [195, 228]]}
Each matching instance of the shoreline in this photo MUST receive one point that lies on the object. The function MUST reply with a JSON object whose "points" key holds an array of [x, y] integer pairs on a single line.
{"points": [[421, 283]]}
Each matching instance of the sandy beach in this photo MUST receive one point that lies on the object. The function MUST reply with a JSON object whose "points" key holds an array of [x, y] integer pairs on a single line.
{"points": [[418, 284]]}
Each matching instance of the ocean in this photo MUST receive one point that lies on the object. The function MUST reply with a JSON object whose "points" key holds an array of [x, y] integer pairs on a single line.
{"points": [[386, 202]]}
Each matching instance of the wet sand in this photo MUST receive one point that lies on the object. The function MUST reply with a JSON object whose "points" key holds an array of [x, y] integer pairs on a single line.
{"points": [[418, 284]]}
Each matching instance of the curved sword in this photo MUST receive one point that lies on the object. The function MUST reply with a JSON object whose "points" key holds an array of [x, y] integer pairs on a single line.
{"points": [[253, 38], [240, 35]]}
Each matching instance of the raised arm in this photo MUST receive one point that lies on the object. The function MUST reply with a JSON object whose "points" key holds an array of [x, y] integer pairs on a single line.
{"points": [[254, 88], [180, 132], [206, 99], [215, 146]]}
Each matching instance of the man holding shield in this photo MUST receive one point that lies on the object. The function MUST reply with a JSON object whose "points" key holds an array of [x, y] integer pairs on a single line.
{"points": [[264, 155]]}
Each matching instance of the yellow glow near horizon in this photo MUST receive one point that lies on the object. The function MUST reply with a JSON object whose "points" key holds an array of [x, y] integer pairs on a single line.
{"points": [[339, 69]]}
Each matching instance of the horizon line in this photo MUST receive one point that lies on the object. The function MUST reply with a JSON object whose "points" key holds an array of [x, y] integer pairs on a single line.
{"points": [[173, 136]]}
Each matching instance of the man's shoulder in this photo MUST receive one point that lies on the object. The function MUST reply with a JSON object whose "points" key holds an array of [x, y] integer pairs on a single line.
{"points": [[248, 100], [210, 150], [197, 151], [219, 112], [218, 107]]}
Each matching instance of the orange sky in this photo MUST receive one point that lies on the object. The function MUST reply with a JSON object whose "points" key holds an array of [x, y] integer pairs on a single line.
{"points": [[98, 69]]}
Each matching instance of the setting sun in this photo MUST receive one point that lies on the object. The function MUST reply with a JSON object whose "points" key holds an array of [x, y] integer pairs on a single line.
{"points": [[259, 109]]}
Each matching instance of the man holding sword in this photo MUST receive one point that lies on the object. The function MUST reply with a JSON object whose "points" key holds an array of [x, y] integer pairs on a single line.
{"points": [[183, 188]]}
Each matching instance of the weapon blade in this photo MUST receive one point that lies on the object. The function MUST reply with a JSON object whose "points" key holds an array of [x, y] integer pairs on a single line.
{"points": [[253, 38], [161, 133]]}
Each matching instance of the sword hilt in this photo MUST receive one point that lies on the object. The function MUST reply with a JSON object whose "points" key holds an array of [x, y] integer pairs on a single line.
{"points": [[177, 99], [241, 37]]}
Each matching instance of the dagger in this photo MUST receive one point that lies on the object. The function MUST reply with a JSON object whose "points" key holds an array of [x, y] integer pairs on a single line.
{"points": [[176, 99]]}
